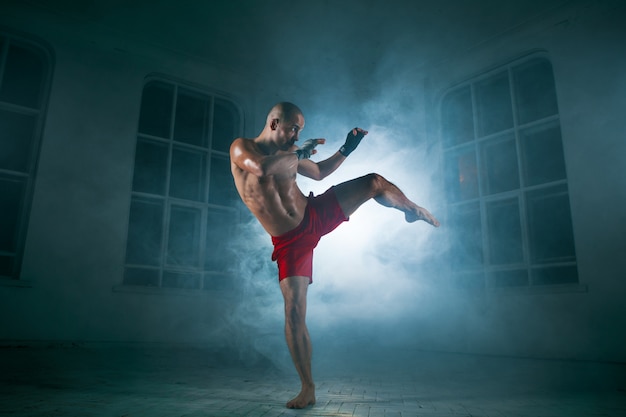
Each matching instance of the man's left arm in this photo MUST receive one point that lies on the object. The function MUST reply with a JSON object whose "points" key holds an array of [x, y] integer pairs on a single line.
{"points": [[320, 170]]}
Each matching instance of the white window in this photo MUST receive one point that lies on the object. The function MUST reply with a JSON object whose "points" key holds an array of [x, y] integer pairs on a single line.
{"points": [[24, 83], [183, 205], [506, 182]]}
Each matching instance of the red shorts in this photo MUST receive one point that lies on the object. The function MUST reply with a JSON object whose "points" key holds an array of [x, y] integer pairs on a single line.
{"points": [[293, 250]]}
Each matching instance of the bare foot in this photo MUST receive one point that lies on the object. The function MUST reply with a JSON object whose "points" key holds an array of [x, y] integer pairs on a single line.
{"points": [[304, 399], [420, 213]]}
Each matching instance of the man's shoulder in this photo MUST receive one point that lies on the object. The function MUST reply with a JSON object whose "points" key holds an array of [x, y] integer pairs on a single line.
{"points": [[242, 143], [252, 142]]}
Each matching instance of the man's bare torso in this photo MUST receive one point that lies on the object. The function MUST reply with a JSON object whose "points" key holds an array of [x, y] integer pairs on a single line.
{"points": [[275, 200]]}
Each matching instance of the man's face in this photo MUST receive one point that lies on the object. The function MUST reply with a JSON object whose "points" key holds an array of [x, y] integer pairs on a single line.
{"points": [[288, 131]]}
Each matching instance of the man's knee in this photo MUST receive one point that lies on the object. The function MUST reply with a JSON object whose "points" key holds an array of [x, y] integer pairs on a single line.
{"points": [[295, 313], [375, 182]]}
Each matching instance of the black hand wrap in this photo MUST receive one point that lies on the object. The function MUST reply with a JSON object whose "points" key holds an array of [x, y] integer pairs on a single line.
{"points": [[352, 141], [306, 150]]}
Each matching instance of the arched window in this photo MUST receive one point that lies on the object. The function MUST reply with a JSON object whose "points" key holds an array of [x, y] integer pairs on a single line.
{"points": [[506, 179], [25, 71], [183, 196]]}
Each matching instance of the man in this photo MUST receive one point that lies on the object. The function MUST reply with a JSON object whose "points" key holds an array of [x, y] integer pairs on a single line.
{"points": [[264, 170]]}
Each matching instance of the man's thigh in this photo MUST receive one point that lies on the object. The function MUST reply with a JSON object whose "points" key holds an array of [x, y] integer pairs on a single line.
{"points": [[352, 194]]}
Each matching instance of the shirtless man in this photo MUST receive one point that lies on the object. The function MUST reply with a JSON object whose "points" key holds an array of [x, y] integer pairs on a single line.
{"points": [[264, 169]]}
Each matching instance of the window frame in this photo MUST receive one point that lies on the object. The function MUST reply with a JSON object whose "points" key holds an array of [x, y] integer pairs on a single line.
{"points": [[28, 175], [169, 204], [484, 271]]}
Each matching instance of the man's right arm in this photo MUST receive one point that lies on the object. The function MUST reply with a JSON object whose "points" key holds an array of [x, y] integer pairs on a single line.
{"points": [[245, 155]]}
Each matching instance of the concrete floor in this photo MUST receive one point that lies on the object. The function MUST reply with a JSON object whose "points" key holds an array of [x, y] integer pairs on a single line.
{"points": [[131, 381]]}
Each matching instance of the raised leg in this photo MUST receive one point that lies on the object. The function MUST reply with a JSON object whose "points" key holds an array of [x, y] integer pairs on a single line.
{"points": [[294, 291], [352, 194]]}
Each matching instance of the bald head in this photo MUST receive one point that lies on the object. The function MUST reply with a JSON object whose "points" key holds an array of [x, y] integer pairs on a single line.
{"points": [[283, 111]]}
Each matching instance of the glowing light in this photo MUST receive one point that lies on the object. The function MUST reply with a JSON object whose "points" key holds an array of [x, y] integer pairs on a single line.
{"points": [[360, 269]]}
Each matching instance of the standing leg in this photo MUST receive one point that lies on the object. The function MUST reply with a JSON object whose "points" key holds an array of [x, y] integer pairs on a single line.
{"points": [[294, 291], [352, 194]]}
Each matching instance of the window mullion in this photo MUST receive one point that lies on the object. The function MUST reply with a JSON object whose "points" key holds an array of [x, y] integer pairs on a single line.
{"points": [[167, 210], [165, 227], [211, 111], [168, 171], [4, 49], [203, 231], [209, 160], [520, 168], [483, 216]]}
